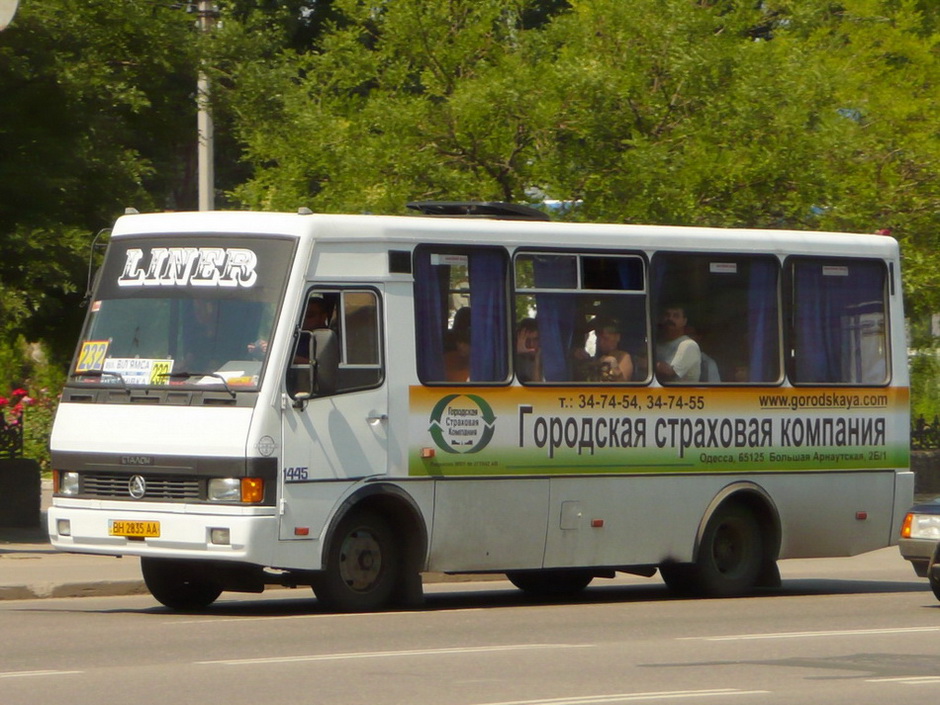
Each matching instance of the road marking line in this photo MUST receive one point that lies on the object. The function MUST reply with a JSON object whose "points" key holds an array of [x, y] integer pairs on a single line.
{"points": [[391, 654], [909, 680], [271, 618], [633, 697], [33, 674], [808, 635]]}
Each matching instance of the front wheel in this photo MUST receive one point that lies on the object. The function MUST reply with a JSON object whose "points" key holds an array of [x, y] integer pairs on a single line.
{"points": [[180, 585], [550, 583], [363, 565]]}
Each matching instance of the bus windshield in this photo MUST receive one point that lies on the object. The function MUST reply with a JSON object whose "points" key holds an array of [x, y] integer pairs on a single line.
{"points": [[184, 311]]}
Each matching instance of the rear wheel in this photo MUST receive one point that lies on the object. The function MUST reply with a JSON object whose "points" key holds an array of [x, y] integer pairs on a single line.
{"points": [[180, 585], [729, 557], [550, 582], [363, 565]]}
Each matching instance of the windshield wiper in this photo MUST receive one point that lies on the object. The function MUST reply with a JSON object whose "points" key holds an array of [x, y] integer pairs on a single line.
{"points": [[103, 373], [186, 375]]}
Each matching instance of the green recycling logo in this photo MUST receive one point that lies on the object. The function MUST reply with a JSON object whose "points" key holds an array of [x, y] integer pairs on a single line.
{"points": [[462, 423]]}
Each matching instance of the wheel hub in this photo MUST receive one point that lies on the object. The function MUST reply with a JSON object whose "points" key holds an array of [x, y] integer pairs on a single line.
{"points": [[360, 560]]}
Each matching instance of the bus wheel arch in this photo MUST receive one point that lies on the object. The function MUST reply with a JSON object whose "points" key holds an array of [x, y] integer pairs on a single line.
{"points": [[736, 546], [383, 527]]}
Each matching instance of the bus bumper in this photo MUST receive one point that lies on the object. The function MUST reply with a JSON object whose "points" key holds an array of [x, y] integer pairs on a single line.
{"points": [[158, 533]]}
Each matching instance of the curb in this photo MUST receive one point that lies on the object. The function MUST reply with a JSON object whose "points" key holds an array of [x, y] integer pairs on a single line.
{"points": [[121, 588], [116, 588]]}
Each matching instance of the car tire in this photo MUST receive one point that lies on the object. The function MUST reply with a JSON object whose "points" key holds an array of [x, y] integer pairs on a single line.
{"points": [[933, 572]]}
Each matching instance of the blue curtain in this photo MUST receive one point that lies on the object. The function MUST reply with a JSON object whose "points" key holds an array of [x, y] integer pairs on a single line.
{"points": [[822, 304], [430, 295], [556, 314], [763, 328], [489, 336]]}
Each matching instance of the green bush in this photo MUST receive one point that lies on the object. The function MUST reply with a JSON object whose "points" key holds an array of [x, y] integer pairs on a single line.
{"points": [[925, 384], [24, 366]]}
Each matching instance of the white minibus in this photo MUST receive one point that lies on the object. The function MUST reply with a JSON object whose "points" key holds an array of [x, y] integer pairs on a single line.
{"points": [[349, 401]]}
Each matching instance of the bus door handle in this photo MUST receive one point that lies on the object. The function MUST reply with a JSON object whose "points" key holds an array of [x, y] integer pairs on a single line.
{"points": [[375, 419]]}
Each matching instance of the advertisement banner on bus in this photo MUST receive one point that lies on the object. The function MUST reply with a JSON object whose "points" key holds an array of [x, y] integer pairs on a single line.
{"points": [[572, 430]]}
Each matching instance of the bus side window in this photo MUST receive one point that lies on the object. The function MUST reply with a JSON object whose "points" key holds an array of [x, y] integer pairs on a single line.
{"points": [[361, 363], [461, 314], [839, 326], [568, 295], [728, 307]]}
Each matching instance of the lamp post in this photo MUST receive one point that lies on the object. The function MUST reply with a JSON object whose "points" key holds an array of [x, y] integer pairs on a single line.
{"points": [[206, 131]]}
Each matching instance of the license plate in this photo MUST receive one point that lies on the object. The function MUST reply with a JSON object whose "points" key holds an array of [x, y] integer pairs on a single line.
{"points": [[133, 529]]}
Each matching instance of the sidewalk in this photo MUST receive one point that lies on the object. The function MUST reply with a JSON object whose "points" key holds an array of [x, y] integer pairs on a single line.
{"points": [[30, 568]]}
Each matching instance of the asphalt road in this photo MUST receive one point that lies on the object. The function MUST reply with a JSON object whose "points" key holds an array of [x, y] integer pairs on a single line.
{"points": [[859, 630]]}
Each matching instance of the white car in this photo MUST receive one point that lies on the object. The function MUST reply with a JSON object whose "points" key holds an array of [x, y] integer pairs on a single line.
{"points": [[920, 538]]}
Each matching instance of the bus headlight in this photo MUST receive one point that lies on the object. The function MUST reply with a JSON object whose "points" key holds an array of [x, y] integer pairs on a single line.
{"points": [[225, 489], [249, 490], [67, 484]]}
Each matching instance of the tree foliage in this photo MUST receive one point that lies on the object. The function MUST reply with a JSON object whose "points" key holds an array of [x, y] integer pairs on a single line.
{"points": [[784, 113], [95, 116]]}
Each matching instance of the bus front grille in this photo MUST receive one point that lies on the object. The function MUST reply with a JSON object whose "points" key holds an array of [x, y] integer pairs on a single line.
{"points": [[155, 488]]}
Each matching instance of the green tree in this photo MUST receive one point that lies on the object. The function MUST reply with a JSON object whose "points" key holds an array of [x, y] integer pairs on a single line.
{"points": [[96, 115], [421, 99]]}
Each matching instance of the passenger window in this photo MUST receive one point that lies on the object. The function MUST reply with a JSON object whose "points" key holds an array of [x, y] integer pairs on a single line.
{"points": [[716, 318], [461, 306], [838, 321], [580, 318]]}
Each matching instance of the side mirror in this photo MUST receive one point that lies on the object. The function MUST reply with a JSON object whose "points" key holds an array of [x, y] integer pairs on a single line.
{"points": [[324, 361], [316, 377]]}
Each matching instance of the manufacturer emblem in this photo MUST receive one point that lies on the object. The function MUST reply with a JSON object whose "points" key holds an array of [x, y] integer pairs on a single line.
{"points": [[137, 487]]}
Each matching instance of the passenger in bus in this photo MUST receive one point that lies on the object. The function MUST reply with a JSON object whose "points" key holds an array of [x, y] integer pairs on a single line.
{"points": [[528, 357], [579, 356], [316, 316], [460, 326], [457, 361], [678, 357], [610, 363]]}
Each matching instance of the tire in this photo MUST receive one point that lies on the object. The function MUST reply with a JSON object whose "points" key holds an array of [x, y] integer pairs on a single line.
{"points": [[180, 585], [363, 565], [729, 557], [679, 578], [933, 572], [550, 583], [935, 586]]}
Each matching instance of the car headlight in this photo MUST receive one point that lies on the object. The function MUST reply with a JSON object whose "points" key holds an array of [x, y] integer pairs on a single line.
{"points": [[925, 526]]}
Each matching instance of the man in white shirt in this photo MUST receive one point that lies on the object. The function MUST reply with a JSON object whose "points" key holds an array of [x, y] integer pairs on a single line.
{"points": [[678, 357]]}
